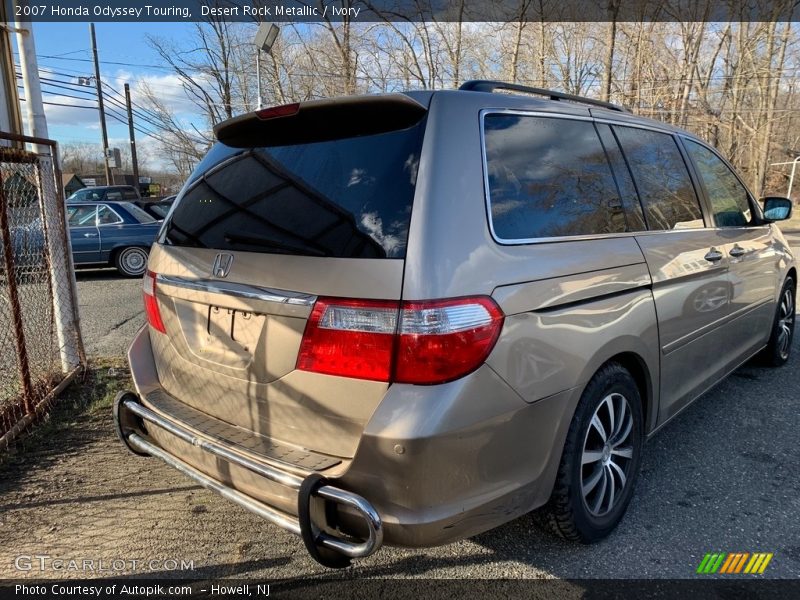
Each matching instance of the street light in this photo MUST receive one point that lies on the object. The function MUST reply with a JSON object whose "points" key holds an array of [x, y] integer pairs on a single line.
{"points": [[791, 176], [265, 38]]}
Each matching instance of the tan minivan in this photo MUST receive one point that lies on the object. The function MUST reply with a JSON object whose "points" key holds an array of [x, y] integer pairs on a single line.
{"points": [[413, 317]]}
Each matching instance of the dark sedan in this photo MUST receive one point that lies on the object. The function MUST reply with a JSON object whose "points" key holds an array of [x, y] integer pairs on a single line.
{"points": [[106, 193], [117, 234], [157, 209]]}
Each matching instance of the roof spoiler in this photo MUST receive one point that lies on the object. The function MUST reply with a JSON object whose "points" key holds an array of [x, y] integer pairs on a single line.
{"points": [[321, 120]]}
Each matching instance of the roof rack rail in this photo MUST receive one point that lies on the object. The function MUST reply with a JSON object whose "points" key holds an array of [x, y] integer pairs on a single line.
{"points": [[481, 85]]}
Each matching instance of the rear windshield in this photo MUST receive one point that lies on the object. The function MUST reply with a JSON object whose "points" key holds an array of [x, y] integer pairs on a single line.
{"points": [[137, 213], [347, 198]]}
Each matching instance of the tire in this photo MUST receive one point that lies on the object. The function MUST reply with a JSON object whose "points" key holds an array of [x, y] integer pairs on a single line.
{"points": [[590, 517], [131, 262], [779, 346]]}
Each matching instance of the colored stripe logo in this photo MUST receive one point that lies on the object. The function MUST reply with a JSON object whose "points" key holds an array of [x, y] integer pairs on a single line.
{"points": [[731, 563]]}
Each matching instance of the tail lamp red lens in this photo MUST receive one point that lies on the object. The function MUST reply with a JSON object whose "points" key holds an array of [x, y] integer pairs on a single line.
{"points": [[284, 110], [405, 342], [151, 303]]}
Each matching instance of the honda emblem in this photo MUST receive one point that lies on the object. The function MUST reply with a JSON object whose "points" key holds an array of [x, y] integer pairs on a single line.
{"points": [[222, 264]]}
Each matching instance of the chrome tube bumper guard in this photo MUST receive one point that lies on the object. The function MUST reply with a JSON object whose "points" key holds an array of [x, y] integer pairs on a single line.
{"points": [[327, 549]]}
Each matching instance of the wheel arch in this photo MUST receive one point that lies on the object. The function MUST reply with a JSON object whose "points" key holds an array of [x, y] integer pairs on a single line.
{"points": [[636, 366], [633, 357], [792, 272]]}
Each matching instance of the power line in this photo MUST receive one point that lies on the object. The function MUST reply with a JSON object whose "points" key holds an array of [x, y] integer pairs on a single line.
{"points": [[106, 62], [142, 114], [65, 105]]}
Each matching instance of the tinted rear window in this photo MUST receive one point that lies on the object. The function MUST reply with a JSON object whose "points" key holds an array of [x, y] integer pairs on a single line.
{"points": [[348, 198], [549, 177], [662, 179]]}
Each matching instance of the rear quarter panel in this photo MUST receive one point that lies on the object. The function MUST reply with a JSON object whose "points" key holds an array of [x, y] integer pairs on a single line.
{"points": [[570, 305]]}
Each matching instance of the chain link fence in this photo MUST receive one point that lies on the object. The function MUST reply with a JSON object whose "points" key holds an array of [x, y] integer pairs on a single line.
{"points": [[41, 348]]}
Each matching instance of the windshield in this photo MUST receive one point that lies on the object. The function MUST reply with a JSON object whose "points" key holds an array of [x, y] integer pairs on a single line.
{"points": [[85, 194], [347, 197]]}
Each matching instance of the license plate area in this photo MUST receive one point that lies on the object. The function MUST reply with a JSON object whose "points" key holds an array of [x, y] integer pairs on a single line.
{"points": [[229, 325]]}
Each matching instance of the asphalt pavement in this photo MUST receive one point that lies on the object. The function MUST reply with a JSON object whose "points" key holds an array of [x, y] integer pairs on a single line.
{"points": [[111, 311]]}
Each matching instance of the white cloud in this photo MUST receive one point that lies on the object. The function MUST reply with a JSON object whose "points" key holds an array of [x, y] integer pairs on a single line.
{"points": [[373, 224], [67, 111], [168, 88]]}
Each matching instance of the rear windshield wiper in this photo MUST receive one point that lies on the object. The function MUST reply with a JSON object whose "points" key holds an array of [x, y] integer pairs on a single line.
{"points": [[235, 238]]}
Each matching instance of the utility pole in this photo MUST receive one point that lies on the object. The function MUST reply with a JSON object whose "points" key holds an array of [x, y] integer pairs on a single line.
{"points": [[109, 174], [134, 161], [10, 117]]}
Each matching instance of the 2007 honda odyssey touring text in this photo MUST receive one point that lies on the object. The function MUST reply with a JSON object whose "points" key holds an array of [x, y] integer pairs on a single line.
{"points": [[410, 318]]}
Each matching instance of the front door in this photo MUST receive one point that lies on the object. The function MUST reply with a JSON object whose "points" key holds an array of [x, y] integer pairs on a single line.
{"points": [[754, 265], [84, 236], [688, 266]]}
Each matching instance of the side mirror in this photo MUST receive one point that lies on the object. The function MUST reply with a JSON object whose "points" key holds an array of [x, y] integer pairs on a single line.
{"points": [[776, 208]]}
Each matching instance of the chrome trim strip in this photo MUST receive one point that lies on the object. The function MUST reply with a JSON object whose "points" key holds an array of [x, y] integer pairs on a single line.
{"points": [[722, 321], [364, 509], [240, 290]]}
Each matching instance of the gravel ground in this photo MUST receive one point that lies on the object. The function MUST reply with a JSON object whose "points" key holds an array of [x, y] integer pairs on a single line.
{"points": [[722, 477]]}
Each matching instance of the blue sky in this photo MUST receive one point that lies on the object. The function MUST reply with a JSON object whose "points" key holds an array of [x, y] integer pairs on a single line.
{"points": [[64, 53]]}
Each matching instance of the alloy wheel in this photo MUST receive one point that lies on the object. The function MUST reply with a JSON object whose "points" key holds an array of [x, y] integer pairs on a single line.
{"points": [[607, 455], [785, 323]]}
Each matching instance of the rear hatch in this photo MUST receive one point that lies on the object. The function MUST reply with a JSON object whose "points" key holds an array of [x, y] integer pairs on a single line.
{"points": [[293, 205]]}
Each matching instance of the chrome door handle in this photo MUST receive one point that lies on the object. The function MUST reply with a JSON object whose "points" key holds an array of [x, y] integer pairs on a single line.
{"points": [[89, 235], [713, 255], [737, 251]]}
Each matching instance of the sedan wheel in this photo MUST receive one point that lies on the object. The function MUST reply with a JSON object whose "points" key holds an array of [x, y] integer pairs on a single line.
{"points": [[131, 262]]}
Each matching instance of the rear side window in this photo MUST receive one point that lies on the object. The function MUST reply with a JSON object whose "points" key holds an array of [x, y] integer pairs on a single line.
{"points": [[106, 216], [730, 201], [348, 198], [661, 177], [549, 177], [130, 194]]}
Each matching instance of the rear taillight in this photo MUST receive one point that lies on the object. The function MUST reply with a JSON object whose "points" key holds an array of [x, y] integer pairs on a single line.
{"points": [[150, 303], [410, 342], [443, 340], [284, 110], [351, 338]]}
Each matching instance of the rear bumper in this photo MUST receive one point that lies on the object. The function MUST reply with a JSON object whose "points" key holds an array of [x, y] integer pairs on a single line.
{"points": [[434, 464], [133, 421]]}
